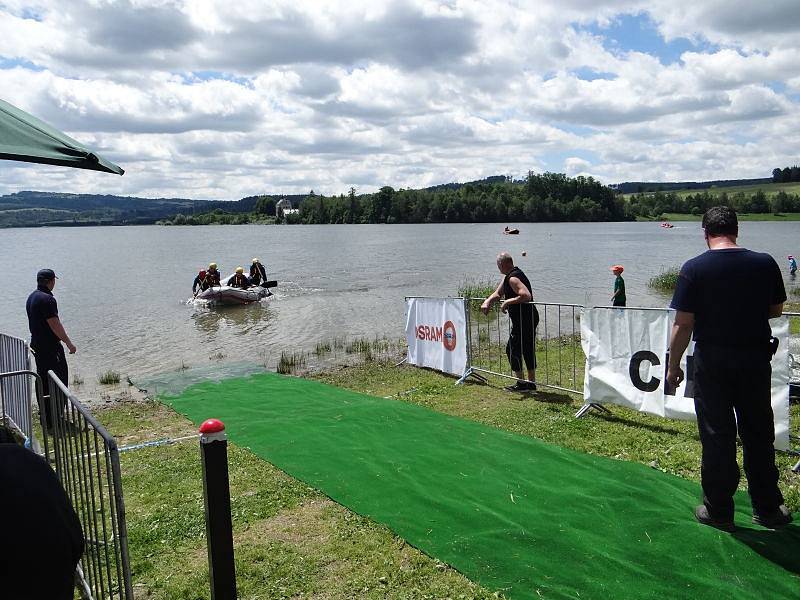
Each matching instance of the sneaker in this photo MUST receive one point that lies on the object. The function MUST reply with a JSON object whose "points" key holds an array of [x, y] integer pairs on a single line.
{"points": [[703, 516], [520, 386], [773, 520]]}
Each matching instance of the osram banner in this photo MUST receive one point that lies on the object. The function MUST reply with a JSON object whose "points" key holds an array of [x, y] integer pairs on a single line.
{"points": [[436, 331], [626, 363]]}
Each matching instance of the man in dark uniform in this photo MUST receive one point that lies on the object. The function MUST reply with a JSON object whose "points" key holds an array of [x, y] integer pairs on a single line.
{"points": [[42, 536], [47, 333], [518, 294], [726, 297]]}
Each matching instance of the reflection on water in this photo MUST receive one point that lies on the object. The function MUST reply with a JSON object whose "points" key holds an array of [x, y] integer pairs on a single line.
{"points": [[256, 318]]}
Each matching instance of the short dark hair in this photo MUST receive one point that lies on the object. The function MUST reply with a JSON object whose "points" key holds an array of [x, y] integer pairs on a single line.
{"points": [[721, 220]]}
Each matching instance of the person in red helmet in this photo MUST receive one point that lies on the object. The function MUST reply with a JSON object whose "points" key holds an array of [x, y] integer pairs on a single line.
{"points": [[201, 282]]}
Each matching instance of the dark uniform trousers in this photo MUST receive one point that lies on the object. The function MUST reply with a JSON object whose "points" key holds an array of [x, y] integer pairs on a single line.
{"points": [[735, 381], [52, 359]]}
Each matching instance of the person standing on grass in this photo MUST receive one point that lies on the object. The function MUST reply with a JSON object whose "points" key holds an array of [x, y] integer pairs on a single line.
{"points": [[47, 334], [618, 299], [517, 294], [725, 297]]}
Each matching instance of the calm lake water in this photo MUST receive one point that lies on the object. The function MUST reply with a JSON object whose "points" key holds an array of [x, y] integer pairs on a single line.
{"points": [[123, 290]]}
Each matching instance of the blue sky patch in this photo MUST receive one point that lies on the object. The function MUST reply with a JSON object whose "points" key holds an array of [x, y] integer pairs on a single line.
{"points": [[589, 74], [12, 63], [638, 33]]}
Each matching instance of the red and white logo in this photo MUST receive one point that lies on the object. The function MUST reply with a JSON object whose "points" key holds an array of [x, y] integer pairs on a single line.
{"points": [[449, 336], [446, 334]]}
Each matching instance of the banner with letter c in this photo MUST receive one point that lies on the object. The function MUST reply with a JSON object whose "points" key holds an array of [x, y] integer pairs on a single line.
{"points": [[626, 362], [436, 332]]}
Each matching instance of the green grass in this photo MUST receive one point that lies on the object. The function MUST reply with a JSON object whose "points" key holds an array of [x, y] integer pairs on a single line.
{"points": [[666, 281], [109, 378], [290, 540]]}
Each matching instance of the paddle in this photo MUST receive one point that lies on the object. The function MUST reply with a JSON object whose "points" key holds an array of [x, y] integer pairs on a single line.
{"points": [[270, 284]]}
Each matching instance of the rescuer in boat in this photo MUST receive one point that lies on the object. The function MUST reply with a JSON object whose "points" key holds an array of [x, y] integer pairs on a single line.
{"points": [[213, 275], [239, 280], [258, 274], [200, 282]]}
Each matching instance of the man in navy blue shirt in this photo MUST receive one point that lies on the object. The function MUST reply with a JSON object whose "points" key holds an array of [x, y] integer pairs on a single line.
{"points": [[47, 333], [726, 297]]}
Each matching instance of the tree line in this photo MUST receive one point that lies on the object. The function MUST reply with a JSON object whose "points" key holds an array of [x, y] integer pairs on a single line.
{"points": [[544, 197], [655, 205], [786, 175]]}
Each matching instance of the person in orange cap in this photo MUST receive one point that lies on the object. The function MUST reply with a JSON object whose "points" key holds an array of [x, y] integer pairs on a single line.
{"points": [[618, 299]]}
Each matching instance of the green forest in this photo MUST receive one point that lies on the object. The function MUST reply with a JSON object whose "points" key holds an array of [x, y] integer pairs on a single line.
{"points": [[653, 205], [538, 198]]}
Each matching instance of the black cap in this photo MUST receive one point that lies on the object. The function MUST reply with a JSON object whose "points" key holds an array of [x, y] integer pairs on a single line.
{"points": [[46, 274]]}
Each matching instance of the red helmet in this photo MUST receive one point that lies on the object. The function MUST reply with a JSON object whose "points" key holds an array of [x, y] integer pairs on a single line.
{"points": [[202, 274]]}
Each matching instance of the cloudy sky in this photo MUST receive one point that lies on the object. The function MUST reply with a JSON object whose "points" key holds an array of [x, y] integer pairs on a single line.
{"points": [[220, 99]]}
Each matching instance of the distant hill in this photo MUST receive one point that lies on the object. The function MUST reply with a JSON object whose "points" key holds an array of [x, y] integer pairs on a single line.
{"points": [[49, 209], [634, 187]]}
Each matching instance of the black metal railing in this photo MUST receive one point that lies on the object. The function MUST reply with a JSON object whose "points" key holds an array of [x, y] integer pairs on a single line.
{"points": [[557, 344], [86, 460]]}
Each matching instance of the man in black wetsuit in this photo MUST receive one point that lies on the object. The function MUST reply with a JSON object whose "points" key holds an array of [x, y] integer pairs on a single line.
{"points": [[517, 293], [725, 297], [258, 274]]}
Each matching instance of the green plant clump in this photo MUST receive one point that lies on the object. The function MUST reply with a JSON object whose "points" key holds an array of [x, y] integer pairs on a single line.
{"points": [[471, 288], [109, 377], [290, 362], [666, 280]]}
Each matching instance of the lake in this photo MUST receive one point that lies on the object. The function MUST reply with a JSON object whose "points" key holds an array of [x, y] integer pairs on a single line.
{"points": [[122, 290]]}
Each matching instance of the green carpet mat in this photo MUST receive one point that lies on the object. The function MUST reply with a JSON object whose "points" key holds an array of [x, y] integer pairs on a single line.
{"points": [[510, 512]]}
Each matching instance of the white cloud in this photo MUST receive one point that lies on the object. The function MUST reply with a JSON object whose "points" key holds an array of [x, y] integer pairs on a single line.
{"points": [[196, 99]]}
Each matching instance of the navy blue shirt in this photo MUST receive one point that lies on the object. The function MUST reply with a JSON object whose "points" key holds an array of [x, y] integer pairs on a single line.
{"points": [[41, 305], [730, 291]]}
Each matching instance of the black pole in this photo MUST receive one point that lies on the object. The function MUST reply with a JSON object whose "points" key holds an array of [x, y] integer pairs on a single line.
{"points": [[216, 492]]}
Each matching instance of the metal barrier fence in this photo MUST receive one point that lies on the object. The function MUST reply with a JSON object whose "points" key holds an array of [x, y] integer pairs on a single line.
{"points": [[557, 344], [16, 394], [86, 460]]}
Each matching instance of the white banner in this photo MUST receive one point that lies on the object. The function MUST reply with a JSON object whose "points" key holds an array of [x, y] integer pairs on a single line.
{"points": [[436, 331], [626, 359]]}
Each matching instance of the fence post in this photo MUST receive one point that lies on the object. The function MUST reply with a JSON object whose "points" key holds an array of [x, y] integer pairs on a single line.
{"points": [[216, 492]]}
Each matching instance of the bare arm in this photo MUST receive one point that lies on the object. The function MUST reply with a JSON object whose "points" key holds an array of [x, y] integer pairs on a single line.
{"points": [[58, 329], [775, 310], [681, 334], [523, 296], [494, 297]]}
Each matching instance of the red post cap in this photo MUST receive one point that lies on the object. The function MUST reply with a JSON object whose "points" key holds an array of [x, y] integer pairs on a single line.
{"points": [[212, 426]]}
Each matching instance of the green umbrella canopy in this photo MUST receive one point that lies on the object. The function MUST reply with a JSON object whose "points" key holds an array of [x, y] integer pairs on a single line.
{"points": [[26, 138]]}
